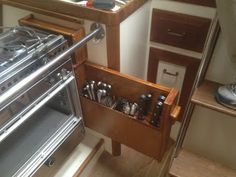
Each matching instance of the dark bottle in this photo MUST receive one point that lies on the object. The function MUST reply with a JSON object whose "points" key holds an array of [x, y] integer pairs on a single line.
{"points": [[155, 121], [143, 105], [162, 98]]}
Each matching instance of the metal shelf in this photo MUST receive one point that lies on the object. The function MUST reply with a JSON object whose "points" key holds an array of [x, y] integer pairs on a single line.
{"points": [[204, 96], [30, 142]]}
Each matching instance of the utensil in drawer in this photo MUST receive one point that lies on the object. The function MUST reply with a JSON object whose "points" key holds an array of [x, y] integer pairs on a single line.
{"points": [[144, 104], [134, 108], [155, 121]]}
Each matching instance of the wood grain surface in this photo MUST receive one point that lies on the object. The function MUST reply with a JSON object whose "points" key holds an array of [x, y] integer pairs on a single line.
{"points": [[205, 96], [73, 12], [179, 30], [140, 135]]}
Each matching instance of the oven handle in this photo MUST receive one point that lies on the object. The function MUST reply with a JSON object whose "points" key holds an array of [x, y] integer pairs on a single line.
{"points": [[36, 107], [26, 82]]}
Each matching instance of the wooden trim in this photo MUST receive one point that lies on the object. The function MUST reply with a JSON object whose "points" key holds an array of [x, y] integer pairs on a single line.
{"points": [[116, 148], [40, 10], [113, 47], [190, 63], [73, 12], [175, 113], [89, 158], [30, 20], [71, 34], [166, 123], [117, 74]]}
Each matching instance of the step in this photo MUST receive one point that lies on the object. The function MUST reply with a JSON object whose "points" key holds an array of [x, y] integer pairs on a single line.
{"points": [[188, 164]]}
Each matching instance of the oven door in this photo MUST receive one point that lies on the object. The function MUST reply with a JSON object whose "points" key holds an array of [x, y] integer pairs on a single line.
{"points": [[17, 111], [38, 122]]}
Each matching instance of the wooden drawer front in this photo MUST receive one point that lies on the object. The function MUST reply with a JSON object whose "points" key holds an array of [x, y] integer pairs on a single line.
{"points": [[139, 135], [180, 30], [156, 59], [122, 128]]}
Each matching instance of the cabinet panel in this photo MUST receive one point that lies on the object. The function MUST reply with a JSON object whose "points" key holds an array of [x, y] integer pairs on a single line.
{"points": [[179, 30], [170, 75], [189, 63], [139, 135]]}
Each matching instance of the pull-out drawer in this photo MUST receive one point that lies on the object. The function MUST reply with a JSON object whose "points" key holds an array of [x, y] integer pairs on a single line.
{"points": [[180, 30], [137, 134]]}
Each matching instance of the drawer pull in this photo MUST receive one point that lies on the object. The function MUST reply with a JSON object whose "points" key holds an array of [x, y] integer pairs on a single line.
{"points": [[169, 73], [172, 33], [175, 113]]}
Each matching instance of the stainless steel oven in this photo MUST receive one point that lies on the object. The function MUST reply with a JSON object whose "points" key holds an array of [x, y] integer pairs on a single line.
{"points": [[39, 103]]}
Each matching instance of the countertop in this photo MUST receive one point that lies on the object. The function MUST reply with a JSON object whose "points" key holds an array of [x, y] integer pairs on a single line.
{"points": [[73, 12]]}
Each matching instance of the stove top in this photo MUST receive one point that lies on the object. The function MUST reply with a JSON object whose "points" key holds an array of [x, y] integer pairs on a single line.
{"points": [[18, 42], [23, 50]]}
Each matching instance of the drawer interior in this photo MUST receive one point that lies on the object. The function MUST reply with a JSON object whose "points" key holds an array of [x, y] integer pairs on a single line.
{"points": [[31, 144], [123, 128]]}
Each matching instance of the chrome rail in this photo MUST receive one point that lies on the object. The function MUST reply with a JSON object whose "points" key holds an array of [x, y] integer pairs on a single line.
{"points": [[34, 107], [29, 80]]}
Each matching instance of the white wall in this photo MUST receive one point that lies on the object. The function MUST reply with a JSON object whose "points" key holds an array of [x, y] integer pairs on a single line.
{"points": [[133, 42], [221, 69], [11, 15], [212, 134]]}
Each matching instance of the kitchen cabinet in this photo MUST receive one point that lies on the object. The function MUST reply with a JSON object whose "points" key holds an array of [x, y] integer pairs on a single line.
{"points": [[177, 42]]}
